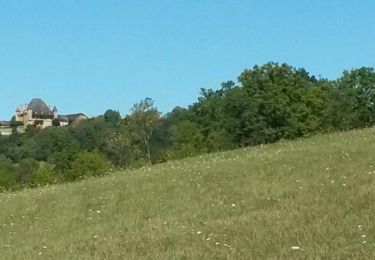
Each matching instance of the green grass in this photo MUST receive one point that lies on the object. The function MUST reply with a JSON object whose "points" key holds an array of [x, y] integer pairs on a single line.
{"points": [[317, 194]]}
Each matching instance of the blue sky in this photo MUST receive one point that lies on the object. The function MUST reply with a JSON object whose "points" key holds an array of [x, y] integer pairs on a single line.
{"points": [[90, 55]]}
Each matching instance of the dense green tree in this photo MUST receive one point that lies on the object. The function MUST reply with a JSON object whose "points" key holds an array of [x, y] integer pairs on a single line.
{"points": [[91, 134], [62, 159], [358, 90], [187, 140], [279, 93], [244, 123], [112, 117], [46, 143], [162, 138], [219, 140]]}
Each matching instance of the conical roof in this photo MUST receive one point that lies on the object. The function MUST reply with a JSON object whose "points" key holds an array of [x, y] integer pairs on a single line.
{"points": [[38, 106]]}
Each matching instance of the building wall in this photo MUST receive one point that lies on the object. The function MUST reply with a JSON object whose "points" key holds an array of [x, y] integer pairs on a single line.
{"points": [[26, 117], [6, 130]]}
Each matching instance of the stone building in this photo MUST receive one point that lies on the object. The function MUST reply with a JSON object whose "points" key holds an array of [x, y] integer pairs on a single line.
{"points": [[5, 128], [39, 114], [36, 113]]}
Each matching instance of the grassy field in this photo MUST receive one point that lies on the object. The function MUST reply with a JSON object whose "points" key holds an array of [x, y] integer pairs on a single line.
{"points": [[306, 199]]}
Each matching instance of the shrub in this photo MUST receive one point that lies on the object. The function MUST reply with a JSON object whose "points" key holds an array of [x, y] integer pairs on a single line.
{"points": [[44, 175], [26, 168], [89, 164], [8, 178]]}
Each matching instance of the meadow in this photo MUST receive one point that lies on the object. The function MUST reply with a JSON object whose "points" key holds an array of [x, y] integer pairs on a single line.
{"points": [[304, 199]]}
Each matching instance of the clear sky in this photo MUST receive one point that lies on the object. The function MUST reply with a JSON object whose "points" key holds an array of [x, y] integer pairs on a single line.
{"points": [[91, 55]]}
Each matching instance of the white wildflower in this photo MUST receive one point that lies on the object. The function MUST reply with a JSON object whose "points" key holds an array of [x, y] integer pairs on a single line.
{"points": [[226, 245]]}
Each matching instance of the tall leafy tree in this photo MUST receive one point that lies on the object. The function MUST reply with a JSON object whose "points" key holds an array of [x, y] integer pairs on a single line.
{"points": [[358, 89], [142, 123], [279, 94]]}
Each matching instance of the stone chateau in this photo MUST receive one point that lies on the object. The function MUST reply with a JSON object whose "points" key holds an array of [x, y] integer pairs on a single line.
{"points": [[37, 113]]}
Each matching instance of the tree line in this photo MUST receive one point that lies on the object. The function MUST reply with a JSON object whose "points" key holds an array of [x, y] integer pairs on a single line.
{"points": [[270, 102]]}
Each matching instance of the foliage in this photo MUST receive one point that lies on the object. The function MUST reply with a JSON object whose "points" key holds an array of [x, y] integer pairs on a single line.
{"points": [[56, 122], [112, 117], [7, 177], [141, 123], [119, 148], [26, 168], [188, 140], [44, 175], [358, 89], [269, 103], [89, 164], [14, 123]]}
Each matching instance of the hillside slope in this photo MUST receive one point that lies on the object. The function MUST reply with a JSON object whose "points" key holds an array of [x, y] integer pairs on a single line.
{"points": [[306, 199]]}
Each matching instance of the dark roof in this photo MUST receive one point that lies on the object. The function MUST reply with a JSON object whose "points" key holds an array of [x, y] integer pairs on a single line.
{"points": [[38, 106], [63, 119], [73, 117]]}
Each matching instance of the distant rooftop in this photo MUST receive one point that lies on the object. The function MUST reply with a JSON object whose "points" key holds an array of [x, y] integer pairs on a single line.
{"points": [[38, 106]]}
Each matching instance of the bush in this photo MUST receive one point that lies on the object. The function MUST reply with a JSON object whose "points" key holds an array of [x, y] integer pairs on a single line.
{"points": [[44, 175], [89, 164], [219, 140], [26, 168], [8, 178]]}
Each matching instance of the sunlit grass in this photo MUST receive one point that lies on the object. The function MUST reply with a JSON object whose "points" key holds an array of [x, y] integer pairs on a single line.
{"points": [[304, 199]]}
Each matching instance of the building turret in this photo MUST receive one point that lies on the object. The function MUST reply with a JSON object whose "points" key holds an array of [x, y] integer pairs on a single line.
{"points": [[55, 112]]}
